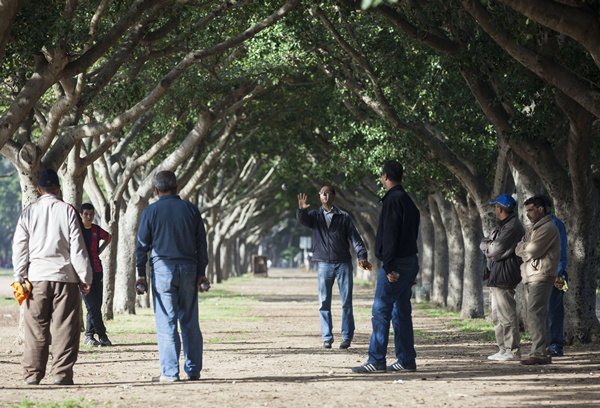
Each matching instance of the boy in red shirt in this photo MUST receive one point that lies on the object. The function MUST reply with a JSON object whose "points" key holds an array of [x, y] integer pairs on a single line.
{"points": [[93, 300]]}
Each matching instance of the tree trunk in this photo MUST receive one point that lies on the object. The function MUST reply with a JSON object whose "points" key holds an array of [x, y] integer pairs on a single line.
{"points": [[427, 235], [470, 223], [439, 293], [581, 322], [124, 301], [455, 252], [109, 263]]}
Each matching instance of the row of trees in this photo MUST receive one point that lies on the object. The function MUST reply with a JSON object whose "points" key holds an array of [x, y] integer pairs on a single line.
{"points": [[476, 98], [503, 97]]}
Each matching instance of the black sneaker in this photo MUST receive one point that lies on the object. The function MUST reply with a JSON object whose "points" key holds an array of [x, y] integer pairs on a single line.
{"points": [[345, 343], [399, 367], [104, 342], [91, 341], [368, 368], [327, 344]]}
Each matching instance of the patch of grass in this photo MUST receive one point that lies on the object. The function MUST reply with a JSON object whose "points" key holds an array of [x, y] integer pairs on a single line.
{"points": [[6, 272], [140, 323], [482, 326], [56, 404], [9, 302], [226, 306], [475, 326], [363, 282], [421, 333], [433, 311], [225, 339], [219, 304]]}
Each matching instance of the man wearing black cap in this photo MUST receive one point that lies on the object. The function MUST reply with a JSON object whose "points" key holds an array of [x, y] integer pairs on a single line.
{"points": [[49, 250], [505, 274]]}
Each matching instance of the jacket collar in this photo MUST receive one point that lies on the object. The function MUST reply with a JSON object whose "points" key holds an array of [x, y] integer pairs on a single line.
{"points": [[334, 210], [169, 197], [507, 219], [391, 190], [545, 219]]}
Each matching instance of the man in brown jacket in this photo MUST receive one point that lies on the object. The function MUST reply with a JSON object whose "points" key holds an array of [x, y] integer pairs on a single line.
{"points": [[540, 251]]}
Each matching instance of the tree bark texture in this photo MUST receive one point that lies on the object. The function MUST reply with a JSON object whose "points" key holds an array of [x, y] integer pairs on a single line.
{"points": [[439, 292], [456, 254]]}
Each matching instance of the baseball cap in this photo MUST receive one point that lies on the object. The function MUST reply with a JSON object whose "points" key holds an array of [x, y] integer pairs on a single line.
{"points": [[505, 200], [48, 178]]}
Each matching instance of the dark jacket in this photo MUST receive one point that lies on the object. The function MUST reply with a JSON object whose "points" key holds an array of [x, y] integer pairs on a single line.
{"points": [[398, 227], [331, 244], [173, 231], [499, 249]]}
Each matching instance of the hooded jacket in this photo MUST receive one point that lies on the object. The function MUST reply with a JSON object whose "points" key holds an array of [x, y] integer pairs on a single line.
{"points": [[540, 251], [499, 249]]}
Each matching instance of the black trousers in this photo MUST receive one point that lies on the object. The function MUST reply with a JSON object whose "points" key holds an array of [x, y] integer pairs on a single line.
{"points": [[93, 303]]}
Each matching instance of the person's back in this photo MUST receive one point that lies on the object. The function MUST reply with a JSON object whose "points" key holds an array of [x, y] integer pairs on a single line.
{"points": [[47, 228], [50, 252], [173, 232], [173, 221]]}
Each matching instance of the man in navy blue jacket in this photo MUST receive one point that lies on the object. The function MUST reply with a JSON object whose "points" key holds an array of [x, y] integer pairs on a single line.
{"points": [[396, 248], [332, 229], [172, 230]]}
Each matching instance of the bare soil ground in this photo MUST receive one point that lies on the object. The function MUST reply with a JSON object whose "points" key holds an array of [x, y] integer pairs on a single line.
{"points": [[277, 360]]}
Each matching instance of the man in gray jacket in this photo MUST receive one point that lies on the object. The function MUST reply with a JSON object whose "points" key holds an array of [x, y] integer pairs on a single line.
{"points": [[505, 275]]}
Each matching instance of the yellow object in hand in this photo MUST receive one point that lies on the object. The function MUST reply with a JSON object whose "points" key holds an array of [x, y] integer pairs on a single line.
{"points": [[21, 290], [564, 286], [369, 267]]}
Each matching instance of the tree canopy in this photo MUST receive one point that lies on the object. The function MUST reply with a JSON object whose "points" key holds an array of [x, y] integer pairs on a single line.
{"points": [[476, 98]]}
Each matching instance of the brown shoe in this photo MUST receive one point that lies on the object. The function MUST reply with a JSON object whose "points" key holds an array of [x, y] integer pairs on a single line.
{"points": [[535, 361]]}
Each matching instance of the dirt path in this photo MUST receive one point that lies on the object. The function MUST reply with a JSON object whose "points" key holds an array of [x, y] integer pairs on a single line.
{"points": [[272, 357]]}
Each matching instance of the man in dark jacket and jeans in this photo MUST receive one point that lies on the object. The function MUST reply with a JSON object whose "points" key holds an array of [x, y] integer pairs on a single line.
{"points": [[396, 248], [332, 229], [505, 275]]}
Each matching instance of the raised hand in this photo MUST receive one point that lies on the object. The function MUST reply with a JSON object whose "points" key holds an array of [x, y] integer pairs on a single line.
{"points": [[302, 201]]}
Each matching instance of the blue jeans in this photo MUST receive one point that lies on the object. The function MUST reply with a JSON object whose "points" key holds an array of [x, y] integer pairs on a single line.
{"points": [[327, 272], [392, 303], [556, 317], [175, 298]]}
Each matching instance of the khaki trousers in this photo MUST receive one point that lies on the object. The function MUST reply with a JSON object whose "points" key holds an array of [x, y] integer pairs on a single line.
{"points": [[537, 295], [51, 317], [505, 319]]}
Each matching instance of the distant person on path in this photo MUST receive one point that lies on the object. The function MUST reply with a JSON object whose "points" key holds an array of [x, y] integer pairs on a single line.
{"points": [[540, 251], [173, 232], [333, 229], [504, 276], [49, 250], [396, 248], [93, 300], [556, 309]]}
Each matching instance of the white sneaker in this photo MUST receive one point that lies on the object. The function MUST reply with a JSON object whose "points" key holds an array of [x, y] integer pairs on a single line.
{"points": [[510, 356], [498, 356]]}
